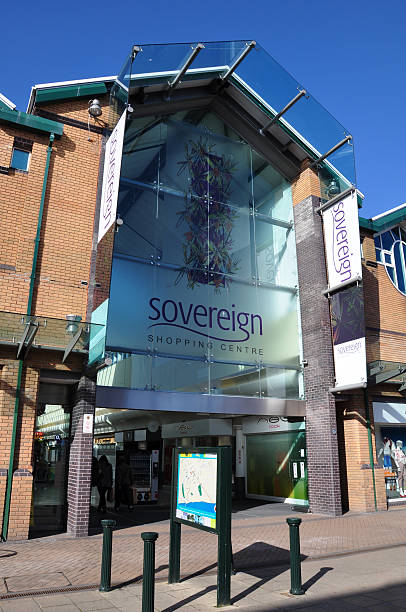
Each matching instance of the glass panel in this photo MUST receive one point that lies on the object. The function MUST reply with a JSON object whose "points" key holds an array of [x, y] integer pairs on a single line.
{"points": [[388, 258], [273, 465], [230, 243], [399, 267], [271, 192], [144, 143], [153, 229], [387, 241], [275, 252], [132, 371], [180, 375], [50, 461], [391, 273], [234, 379], [278, 382], [377, 241]]}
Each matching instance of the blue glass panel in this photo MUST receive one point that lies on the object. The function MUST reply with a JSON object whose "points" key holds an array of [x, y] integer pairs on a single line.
{"points": [[395, 233], [378, 254], [388, 258], [390, 271], [20, 159], [399, 267], [387, 241], [377, 241]]}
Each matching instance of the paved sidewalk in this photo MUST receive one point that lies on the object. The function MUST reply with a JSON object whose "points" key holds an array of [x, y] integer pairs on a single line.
{"points": [[260, 539], [369, 581]]}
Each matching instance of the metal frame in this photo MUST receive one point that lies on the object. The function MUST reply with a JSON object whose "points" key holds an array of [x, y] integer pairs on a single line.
{"points": [[72, 344], [176, 80], [336, 198], [357, 279], [238, 61], [289, 105], [31, 329], [331, 151]]}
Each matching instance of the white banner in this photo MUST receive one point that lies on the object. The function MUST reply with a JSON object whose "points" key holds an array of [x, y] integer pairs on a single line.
{"points": [[111, 177], [342, 241], [350, 362]]}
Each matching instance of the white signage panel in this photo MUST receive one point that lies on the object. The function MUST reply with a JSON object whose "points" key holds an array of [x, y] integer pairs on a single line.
{"points": [[111, 177], [342, 241], [88, 423], [350, 362]]}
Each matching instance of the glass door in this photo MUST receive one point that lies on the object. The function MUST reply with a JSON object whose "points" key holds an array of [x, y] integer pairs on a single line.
{"points": [[50, 469]]}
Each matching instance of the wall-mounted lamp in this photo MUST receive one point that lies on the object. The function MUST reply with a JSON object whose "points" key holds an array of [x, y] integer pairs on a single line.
{"points": [[333, 189], [95, 109], [72, 326]]}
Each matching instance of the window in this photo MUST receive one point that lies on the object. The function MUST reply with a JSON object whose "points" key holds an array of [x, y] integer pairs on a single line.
{"points": [[390, 248], [20, 159]]}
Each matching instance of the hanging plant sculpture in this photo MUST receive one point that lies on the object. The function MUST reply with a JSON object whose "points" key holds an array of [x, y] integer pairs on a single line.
{"points": [[207, 249]]}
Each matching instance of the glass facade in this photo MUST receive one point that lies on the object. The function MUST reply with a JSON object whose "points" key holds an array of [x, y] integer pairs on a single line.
{"points": [[204, 281]]}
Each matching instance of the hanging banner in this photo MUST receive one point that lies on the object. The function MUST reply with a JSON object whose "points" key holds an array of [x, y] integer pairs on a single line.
{"points": [[342, 241], [111, 177], [348, 325]]}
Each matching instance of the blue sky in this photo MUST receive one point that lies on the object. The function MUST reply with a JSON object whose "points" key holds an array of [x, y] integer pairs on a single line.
{"points": [[349, 55]]}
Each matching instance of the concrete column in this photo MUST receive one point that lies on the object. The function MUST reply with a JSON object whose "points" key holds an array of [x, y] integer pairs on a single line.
{"points": [[80, 459], [321, 423]]}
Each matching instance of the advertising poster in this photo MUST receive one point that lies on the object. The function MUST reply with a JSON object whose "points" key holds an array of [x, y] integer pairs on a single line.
{"points": [[348, 325], [342, 241], [197, 488]]}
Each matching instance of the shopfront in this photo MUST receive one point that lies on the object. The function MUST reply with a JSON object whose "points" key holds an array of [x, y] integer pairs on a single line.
{"points": [[390, 436]]}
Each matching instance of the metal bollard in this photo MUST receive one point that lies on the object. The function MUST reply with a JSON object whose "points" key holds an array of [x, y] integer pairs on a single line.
{"points": [[148, 574], [105, 578], [295, 569]]}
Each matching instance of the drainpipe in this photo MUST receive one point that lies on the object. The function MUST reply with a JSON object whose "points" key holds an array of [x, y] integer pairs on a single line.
{"points": [[6, 514], [371, 451]]}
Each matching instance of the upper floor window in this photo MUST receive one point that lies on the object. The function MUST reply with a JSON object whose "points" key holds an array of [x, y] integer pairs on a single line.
{"points": [[20, 159], [21, 154], [390, 248]]}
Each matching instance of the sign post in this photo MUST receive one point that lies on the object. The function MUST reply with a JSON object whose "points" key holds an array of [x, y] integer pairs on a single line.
{"points": [[201, 498]]}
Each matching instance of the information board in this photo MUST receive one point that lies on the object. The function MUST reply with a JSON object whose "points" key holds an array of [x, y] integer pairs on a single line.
{"points": [[196, 498]]}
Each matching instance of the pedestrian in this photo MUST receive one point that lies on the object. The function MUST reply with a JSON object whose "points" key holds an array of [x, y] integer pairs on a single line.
{"points": [[104, 481], [123, 491]]}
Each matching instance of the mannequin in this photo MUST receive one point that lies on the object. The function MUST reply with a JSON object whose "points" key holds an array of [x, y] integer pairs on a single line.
{"points": [[400, 460], [387, 452]]}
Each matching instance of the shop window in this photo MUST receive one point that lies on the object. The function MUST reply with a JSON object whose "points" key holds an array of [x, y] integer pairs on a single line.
{"points": [[390, 248]]}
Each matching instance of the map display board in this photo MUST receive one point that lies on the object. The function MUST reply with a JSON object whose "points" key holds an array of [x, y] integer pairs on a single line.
{"points": [[196, 497]]}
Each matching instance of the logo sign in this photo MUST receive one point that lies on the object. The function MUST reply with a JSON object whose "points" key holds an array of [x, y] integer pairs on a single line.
{"points": [[342, 241], [111, 177]]}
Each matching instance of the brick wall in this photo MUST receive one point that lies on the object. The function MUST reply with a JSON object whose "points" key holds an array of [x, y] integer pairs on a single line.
{"points": [[63, 274], [321, 424]]}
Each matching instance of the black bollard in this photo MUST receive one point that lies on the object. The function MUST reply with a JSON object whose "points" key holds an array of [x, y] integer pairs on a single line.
{"points": [[295, 569], [148, 574], [105, 578]]}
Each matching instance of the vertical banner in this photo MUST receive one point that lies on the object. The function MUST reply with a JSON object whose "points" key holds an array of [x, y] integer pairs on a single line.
{"points": [[111, 177], [343, 257], [348, 323], [342, 242]]}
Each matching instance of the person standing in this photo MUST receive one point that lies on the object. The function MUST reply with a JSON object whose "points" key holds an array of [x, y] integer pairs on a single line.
{"points": [[123, 484], [104, 482]]}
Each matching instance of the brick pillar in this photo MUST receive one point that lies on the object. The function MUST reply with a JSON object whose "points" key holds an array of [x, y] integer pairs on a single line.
{"points": [[321, 423], [80, 460], [21, 494], [358, 465]]}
